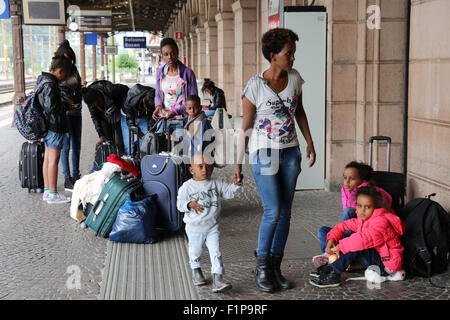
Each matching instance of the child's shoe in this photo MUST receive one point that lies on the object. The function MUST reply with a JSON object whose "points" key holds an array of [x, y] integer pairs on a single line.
{"points": [[323, 269], [327, 280], [218, 284], [397, 276], [54, 198], [197, 277], [320, 260]]}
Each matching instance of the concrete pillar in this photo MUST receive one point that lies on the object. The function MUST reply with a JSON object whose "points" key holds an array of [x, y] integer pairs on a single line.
{"points": [[429, 102], [61, 34], [245, 42], [82, 58], [201, 53], [211, 69], [17, 42], [194, 50], [365, 84], [102, 57], [186, 48], [94, 63], [225, 56]]}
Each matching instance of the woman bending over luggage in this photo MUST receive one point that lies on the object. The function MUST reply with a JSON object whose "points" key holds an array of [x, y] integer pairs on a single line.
{"points": [[356, 175], [137, 112], [105, 101], [174, 83], [49, 98], [375, 242]]}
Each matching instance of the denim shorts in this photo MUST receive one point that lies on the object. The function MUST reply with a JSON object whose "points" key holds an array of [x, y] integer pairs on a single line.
{"points": [[54, 140]]}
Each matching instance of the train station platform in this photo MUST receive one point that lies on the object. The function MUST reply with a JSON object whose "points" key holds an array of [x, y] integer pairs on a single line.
{"points": [[44, 253]]}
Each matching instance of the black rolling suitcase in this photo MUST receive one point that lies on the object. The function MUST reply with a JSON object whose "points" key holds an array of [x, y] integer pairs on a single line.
{"points": [[135, 157], [103, 151], [393, 182], [30, 166]]}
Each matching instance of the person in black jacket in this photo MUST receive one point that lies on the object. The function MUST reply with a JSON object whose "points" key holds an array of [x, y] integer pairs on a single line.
{"points": [[105, 101], [217, 96], [49, 99], [138, 108], [71, 96]]}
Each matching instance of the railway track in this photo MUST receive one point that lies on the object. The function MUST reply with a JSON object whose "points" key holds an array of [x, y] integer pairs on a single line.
{"points": [[8, 88]]}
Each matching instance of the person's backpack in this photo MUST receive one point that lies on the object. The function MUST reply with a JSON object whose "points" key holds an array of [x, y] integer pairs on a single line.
{"points": [[29, 117], [427, 237]]}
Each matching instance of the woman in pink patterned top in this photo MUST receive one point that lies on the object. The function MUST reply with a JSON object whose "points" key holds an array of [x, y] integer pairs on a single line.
{"points": [[174, 83]]}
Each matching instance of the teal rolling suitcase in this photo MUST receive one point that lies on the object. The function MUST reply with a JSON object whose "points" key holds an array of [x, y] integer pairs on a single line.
{"points": [[103, 214]]}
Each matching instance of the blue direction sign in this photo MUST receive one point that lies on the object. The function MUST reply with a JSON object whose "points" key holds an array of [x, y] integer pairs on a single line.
{"points": [[90, 38], [4, 9], [134, 42]]}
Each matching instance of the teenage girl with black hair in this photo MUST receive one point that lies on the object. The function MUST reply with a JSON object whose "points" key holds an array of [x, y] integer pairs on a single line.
{"points": [[48, 97], [71, 96]]}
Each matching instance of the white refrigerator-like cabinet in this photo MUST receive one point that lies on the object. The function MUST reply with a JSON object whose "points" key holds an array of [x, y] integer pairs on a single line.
{"points": [[310, 61]]}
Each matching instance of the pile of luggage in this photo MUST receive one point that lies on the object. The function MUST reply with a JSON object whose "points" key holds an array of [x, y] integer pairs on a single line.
{"points": [[132, 198]]}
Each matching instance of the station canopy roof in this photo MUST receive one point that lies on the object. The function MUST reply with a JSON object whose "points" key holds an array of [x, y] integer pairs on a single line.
{"points": [[136, 15]]}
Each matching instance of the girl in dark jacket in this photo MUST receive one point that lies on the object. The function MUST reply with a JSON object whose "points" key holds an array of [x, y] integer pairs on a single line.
{"points": [[49, 98], [71, 96], [217, 97]]}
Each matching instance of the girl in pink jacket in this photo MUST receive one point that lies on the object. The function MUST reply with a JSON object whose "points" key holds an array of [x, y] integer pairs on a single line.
{"points": [[375, 241], [356, 175]]}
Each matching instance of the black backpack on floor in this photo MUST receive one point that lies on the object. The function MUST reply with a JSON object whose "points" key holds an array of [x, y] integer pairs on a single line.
{"points": [[427, 237]]}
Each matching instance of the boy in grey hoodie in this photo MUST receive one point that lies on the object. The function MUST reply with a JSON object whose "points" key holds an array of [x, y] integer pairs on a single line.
{"points": [[200, 200]]}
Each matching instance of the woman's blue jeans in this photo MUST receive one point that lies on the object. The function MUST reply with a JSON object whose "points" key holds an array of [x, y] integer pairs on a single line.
{"points": [[72, 141], [348, 213], [275, 172], [142, 123]]}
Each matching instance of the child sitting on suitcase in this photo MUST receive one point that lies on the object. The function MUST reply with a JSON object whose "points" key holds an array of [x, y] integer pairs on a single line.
{"points": [[375, 242], [200, 200], [49, 99], [196, 126], [356, 175]]}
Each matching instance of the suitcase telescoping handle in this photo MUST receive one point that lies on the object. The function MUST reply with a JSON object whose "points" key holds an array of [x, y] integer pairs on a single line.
{"points": [[133, 130], [98, 206], [388, 152]]}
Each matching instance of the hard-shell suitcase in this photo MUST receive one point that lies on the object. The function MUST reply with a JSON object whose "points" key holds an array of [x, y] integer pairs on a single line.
{"points": [[103, 214], [393, 182], [30, 166], [163, 175]]}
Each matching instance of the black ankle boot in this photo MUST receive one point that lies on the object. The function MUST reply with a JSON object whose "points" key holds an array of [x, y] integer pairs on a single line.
{"points": [[278, 278], [262, 274]]}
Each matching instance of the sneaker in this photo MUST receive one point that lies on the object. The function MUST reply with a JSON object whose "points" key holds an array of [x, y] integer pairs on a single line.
{"points": [[54, 198], [76, 177], [68, 184], [197, 277], [329, 280], [323, 269], [320, 260], [397, 276], [45, 195]]}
